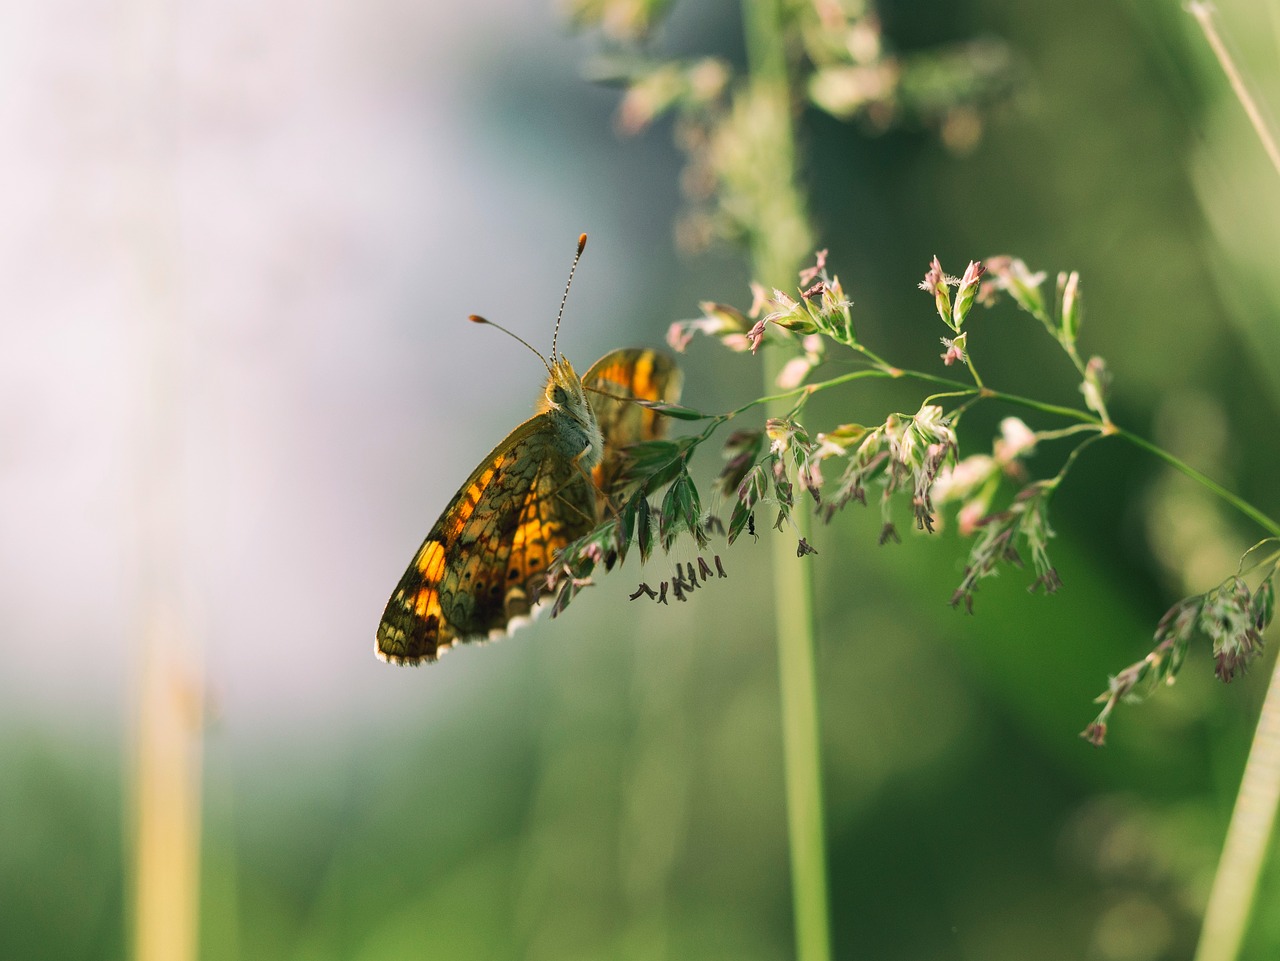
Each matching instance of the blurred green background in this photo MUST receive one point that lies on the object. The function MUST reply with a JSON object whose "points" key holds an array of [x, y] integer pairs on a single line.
{"points": [[287, 210]]}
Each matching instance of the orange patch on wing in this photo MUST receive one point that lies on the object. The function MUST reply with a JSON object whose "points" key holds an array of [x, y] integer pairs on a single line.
{"points": [[426, 602], [642, 377], [430, 562], [466, 506], [530, 532]]}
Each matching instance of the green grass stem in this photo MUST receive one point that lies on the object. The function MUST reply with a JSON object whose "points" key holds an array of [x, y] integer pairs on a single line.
{"points": [[1235, 883], [780, 241], [1244, 852]]}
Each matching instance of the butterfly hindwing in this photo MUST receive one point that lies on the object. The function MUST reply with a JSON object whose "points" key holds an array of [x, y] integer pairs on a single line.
{"points": [[485, 561]]}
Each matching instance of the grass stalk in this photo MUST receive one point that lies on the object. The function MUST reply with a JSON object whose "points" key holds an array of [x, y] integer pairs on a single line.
{"points": [[164, 810], [167, 810], [1235, 883], [1203, 12], [801, 743], [780, 241]]}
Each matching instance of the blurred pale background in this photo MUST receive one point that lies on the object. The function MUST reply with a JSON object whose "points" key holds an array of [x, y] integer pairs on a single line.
{"points": [[239, 244]]}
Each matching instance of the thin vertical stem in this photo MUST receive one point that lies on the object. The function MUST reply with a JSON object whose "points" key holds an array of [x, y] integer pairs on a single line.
{"points": [[1203, 13], [1248, 841], [780, 239], [801, 742], [165, 826], [167, 813], [1235, 884]]}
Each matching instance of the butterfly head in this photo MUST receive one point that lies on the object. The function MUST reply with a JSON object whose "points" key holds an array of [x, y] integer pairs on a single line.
{"points": [[565, 399]]}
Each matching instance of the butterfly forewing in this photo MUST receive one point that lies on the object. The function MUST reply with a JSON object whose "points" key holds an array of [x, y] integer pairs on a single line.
{"points": [[631, 372]]}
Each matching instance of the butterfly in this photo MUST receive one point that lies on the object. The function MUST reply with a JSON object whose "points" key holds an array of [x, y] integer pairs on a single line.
{"points": [[480, 571]]}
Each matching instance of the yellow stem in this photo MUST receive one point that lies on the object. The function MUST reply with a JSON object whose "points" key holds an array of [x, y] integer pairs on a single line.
{"points": [[1248, 838]]}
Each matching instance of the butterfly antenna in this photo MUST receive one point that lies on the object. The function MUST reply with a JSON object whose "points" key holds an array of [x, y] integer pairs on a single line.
{"points": [[477, 319], [582, 243]]}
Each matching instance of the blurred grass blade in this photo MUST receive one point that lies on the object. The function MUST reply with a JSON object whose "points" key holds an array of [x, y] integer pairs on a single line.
{"points": [[167, 804], [779, 242], [1235, 884]]}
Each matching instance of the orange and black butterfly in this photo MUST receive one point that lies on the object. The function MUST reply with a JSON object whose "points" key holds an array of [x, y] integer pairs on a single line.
{"points": [[480, 572]]}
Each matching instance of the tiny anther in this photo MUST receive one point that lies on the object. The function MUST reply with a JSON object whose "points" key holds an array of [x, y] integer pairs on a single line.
{"points": [[662, 593], [804, 547], [720, 567], [703, 567], [644, 589]]}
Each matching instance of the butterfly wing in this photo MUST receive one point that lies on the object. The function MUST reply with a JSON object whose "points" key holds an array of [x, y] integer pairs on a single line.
{"points": [[484, 563], [630, 372]]}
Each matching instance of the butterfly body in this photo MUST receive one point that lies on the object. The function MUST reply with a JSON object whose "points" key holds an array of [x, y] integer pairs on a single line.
{"points": [[482, 567]]}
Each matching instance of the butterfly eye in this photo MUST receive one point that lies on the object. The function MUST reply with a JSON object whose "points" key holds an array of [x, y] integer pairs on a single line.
{"points": [[559, 397]]}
